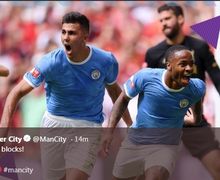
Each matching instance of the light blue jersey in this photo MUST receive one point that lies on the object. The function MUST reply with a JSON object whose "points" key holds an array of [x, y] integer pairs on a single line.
{"points": [[159, 106], [75, 90]]}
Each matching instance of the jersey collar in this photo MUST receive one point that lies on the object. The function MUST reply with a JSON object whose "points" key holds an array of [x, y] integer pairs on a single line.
{"points": [[166, 87], [84, 61]]}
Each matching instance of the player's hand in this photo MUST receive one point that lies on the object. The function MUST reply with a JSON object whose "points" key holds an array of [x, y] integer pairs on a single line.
{"points": [[106, 142], [189, 118], [129, 123]]}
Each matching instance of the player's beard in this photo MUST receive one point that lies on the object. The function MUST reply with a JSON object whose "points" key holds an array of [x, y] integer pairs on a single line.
{"points": [[173, 33]]}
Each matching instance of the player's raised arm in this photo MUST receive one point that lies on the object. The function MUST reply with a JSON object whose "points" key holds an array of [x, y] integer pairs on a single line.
{"points": [[118, 110]]}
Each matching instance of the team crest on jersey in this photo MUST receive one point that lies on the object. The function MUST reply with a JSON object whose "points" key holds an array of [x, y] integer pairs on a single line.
{"points": [[95, 74], [35, 73], [184, 103]]}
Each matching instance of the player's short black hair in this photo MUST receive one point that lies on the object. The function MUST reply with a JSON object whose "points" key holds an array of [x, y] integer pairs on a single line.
{"points": [[177, 10], [76, 17], [172, 50]]}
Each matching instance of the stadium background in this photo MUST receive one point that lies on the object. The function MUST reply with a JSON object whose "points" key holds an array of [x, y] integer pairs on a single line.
{"points": [[127, 28], [30, 29]]}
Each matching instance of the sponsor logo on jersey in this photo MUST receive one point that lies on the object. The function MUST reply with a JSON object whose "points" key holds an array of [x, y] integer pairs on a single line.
{"points": [[184, 103], [95, 74], [35, 73]]}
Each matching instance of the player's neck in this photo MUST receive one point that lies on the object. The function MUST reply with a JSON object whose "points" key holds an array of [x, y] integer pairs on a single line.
{"points": [[170, 83], [176, 40], [81, 55]]}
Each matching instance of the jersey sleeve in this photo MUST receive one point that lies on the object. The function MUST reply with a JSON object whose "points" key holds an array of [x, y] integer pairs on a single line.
{"points": [[40, 72], [199, 89], [134, 85], [112, 72]]}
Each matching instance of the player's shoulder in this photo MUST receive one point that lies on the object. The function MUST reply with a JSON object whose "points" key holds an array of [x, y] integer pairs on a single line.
{"points": [[150, 72], [197, 82], [197, 85], [100, 52], [157, 48], [102, 56], [155, 54], [196, 42], [53, 59], [54, 54]]}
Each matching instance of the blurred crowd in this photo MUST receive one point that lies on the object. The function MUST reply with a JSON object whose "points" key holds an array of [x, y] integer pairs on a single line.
{"points": [[127, 28]]}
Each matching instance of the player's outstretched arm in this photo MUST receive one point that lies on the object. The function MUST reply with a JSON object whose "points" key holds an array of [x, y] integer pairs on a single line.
{"points": [[114, 91], [118, 109], [4, 71], [13, 98]]}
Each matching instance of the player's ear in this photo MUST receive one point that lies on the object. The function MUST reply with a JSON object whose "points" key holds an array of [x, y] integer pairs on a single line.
{"points": [[168, 66], [181, 20], [86, 35]]}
